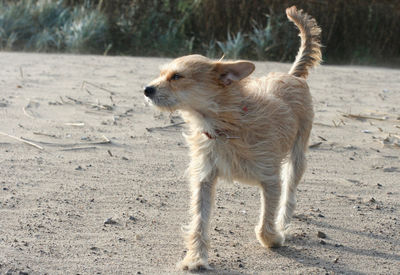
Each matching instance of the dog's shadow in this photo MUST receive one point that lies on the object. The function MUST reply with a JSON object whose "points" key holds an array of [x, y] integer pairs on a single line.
{"points": [[297, 254], [295, 251], [302, 257], [216, 271]]}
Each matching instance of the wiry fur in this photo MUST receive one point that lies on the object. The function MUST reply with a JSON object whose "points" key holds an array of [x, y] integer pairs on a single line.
{"points": [[251, 130], [309, 54]]}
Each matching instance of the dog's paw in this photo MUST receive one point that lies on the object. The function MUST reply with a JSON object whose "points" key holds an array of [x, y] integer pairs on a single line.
{"points": [[282, 225], [194, 264], [270, 240]]}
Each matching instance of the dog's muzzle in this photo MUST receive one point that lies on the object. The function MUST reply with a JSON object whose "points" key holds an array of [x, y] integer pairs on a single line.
{"points": [[149, 91]]}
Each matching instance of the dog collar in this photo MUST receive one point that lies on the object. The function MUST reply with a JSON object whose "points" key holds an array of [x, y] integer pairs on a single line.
{"points": [[208, 135]]}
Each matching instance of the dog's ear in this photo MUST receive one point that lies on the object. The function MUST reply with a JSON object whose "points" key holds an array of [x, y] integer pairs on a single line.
{"points": [[233, 71]]}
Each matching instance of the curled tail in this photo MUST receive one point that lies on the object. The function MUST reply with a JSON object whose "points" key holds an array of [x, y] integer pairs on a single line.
{"points": [[309, 54]]}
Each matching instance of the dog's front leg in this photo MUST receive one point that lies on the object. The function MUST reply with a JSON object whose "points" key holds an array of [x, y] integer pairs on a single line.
{"points": [[196, 235], [267, 232]]}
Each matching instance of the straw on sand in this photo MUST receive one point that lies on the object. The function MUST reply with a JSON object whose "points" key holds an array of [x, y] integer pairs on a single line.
{"points": [[23, 140]]}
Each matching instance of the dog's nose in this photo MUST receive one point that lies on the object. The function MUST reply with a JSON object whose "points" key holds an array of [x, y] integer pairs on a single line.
{"points": [[149, 91]]}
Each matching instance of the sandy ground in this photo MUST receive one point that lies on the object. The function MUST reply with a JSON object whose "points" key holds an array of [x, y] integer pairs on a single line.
{"points": [[108, 194]]}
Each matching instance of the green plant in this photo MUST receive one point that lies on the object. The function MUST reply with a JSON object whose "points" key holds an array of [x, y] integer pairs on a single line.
{"points": [[262, 39], [47, 18], [177, 27], [211, 49], [86, 31], [233, 46], [46, 25], [15, 24]]}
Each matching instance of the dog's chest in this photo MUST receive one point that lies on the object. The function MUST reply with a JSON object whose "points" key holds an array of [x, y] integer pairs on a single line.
{"points": [[224, 155]]}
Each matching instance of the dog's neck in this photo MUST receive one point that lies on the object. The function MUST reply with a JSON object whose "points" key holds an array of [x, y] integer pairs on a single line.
{"points": [[224, 116], [200, 122], [224, 124]]}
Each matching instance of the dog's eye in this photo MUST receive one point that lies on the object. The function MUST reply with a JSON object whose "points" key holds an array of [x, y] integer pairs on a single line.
{"points": [[176, 77]]}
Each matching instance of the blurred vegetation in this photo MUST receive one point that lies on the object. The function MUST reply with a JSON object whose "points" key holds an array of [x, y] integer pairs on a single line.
{"points": [[354, 31], [51, 26]]}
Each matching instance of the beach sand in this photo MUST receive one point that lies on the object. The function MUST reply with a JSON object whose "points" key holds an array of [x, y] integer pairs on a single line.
{"points": [[101, 188]]}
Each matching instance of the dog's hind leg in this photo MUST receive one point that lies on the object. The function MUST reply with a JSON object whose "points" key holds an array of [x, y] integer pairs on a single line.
{"points": [[292, 172], [267, 232], [196, 235]]}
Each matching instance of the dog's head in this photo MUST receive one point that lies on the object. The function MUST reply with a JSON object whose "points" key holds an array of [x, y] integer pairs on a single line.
{"points": [[192, 82]]}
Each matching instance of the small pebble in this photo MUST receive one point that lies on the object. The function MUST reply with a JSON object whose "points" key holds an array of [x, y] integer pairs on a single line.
{"points": [[321, 235], [110, 221], [322, 242], [372, 200], [390, 169], [78, 168]]}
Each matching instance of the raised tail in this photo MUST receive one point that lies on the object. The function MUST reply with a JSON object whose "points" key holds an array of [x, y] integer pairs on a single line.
{"points": [[309, 54]]}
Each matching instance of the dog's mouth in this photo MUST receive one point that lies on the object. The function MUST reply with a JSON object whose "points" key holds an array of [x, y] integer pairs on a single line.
{"points": [[162, 102], [160, 99]]}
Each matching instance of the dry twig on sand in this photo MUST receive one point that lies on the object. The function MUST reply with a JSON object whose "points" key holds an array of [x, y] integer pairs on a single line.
{"points": [[164, 128], [361, 117], [85, 83], [98, 105], [26, 113], [322, 124], [74, 124], [79, 148], [315, 145], [44, 134], [22, 140], [53, 144], [337, 124], [391, 140], [27, 108]]}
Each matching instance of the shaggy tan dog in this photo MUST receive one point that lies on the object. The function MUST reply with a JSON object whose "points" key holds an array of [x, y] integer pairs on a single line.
{"points": [[250, 130]]}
